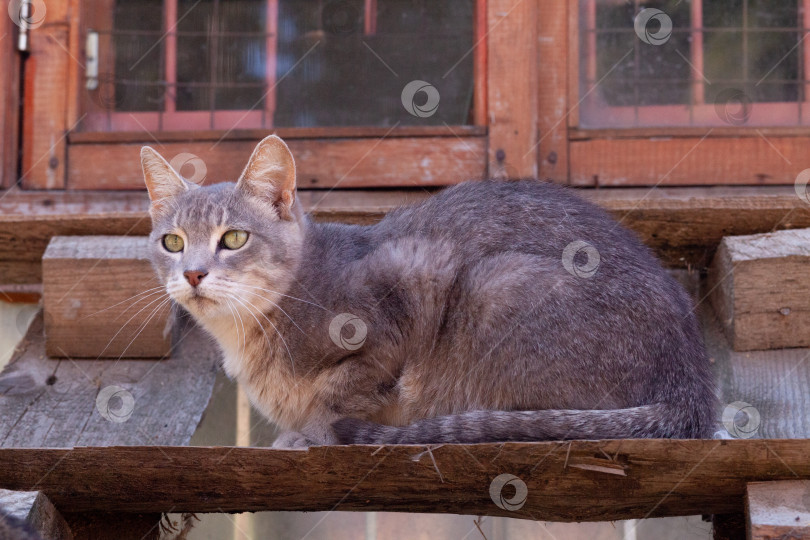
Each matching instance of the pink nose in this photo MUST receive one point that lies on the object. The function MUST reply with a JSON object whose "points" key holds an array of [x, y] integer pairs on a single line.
{"points": [[194, 277]]}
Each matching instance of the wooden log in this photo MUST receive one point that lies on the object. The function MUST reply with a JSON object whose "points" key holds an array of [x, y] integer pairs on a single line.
{"points": [[98, 299], [564, 481], [778, 510], [35, 509], [760, 291]]}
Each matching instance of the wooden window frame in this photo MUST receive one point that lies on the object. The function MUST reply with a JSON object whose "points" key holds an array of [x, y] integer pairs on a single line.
{"points": [[678, 155], [501, 142], [698, 113]]}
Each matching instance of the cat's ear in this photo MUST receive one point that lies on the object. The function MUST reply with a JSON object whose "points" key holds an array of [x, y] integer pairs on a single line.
{"points": [[270, 174], [162, 181]]}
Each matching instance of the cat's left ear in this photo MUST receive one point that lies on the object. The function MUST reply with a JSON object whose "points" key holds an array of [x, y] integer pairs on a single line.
{"points": [[270, 174]]}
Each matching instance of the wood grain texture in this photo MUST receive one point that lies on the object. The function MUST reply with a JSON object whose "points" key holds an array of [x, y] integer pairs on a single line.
{"points": [[9, 103], [47, 402], [661, 477], [778, 510], [35, 508], [363, 162], [45, 106], [693, 160], [759, 289], [511, 88], [99, 299], [552, 91], [683, 225]]}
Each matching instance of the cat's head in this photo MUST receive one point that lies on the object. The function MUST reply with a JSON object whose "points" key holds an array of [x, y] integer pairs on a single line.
{"points": [[226, 248]]}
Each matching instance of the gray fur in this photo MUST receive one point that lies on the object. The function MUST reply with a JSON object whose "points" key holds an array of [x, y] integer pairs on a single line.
{"points": [[475, 329]]}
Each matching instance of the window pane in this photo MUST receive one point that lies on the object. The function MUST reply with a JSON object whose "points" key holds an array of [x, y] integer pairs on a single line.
{"points": [[331, 63], [673, 63]]}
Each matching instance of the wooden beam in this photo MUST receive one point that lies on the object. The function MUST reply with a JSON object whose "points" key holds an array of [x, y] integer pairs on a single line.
{"points": [[552, 91], [665, 161], [364, 162], [683, 225], [97, 299], [758, 288], [565, 481], [46, 105], [778, 510], [9, 103], [512, 88]]}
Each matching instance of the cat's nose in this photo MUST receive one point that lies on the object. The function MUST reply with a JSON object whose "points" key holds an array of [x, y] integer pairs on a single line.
{"points": [[194, 277]]}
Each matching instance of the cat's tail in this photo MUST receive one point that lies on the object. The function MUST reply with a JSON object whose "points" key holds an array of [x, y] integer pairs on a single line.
{"points": [[658, 420]]}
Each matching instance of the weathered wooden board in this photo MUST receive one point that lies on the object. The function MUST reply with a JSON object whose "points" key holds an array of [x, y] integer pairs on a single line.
{"points": [[361, 162], [48, 402], [38, 511], [683, 225], [102, 299], [760, 291], [778, 510], [9, 103], [564, 481]]}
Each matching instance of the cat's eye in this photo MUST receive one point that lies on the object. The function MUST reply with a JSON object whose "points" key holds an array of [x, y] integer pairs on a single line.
{"points": [[234, 239], [173, 243]]}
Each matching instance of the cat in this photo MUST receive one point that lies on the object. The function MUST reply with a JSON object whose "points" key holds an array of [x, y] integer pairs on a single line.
{"points": [[492, 311]]}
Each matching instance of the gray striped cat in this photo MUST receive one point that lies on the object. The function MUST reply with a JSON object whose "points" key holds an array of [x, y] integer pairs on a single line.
{"points": [[493, 311]]}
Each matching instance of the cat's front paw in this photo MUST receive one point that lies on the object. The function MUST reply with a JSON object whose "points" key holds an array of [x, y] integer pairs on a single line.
{"points": [[291, 440]]}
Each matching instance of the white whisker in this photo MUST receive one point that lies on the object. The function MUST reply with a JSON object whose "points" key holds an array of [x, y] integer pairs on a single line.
{"points": [[148, 293], [238, 287], [127, 322], [284, 295], [143, 326]]}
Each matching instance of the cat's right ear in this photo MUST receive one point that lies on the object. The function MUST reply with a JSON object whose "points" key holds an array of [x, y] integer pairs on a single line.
{"points": [[162, 181]]}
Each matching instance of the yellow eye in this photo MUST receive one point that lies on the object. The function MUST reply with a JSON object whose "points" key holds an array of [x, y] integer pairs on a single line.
{"points": [[173, 243], [234, 239]]}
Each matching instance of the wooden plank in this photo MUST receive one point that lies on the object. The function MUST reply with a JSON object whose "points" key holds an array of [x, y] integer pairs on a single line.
{"points": [[253, 135], [48, 402], [511, 86], [366, 162], [760, 292], [102, 299], [47, 76], [683, 225], [35, 509], [687, 161], [9, 102], [552, 91], [660, 477], [778, 510]]}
